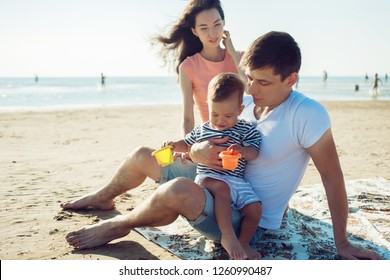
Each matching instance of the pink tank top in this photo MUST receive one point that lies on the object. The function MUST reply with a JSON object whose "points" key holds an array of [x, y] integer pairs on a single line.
{"points": [[200, 72]]}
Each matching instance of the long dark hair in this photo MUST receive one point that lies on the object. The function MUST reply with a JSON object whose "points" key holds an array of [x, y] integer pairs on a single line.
{"points": [[180, 41]]}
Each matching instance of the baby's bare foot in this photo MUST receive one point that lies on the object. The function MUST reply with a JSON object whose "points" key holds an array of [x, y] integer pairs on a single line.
{"points": [[233, 247], [250, 252]]}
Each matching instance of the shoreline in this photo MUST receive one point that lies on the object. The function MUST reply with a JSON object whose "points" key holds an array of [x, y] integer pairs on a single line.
{"points": [[54, 156], [121, 106]]}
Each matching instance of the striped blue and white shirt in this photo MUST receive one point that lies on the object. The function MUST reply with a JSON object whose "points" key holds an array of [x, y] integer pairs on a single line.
{"points": [[243, 133]]}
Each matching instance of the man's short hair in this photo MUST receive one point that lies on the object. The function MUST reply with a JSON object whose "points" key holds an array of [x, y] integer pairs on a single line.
{"points": [[277, 50]]}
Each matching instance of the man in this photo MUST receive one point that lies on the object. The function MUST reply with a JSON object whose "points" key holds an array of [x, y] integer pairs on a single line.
{"points": [[293, 129]]}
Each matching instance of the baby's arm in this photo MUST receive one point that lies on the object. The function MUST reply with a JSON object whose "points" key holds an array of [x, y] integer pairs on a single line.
{"points": [[248, 153], [178, 146]]}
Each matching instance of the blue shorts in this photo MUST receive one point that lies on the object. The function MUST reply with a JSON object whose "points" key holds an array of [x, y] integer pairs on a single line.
{"points": [[178, 169], [206, 223]]}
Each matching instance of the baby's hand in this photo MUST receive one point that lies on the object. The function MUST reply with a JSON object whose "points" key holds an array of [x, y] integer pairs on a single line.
{"points": [[235, 149], [184, 157], [169, 143]]}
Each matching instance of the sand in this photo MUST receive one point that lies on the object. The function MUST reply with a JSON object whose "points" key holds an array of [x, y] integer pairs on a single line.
{"points": [[48, 157]]}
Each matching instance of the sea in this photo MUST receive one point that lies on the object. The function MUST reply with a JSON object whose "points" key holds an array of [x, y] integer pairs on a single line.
{"points": [[52, 93]]}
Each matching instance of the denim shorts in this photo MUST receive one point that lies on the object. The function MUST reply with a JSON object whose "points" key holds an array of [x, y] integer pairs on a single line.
{"points": [[178, 169]]}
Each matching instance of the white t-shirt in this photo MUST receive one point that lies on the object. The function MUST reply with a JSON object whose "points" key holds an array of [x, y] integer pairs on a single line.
{"points": [[296, 124]]}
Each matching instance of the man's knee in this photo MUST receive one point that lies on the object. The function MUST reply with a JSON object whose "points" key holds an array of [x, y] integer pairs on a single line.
{"points": [[183, 195], [140, 154], [181, 188], [141, 162]]}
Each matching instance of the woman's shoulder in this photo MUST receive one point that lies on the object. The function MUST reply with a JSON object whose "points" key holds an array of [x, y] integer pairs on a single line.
{"points": [[191, 59], [189, 63]]}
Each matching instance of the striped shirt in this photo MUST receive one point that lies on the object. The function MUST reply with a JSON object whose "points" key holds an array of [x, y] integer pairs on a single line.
{"points": [[243, 133]]}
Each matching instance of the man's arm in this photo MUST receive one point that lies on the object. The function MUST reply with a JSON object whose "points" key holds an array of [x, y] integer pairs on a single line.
{"points": [[207, 152], [326, 160]]}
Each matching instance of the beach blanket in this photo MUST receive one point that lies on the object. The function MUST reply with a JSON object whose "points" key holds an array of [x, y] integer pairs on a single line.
{"points": [[306, 231]]}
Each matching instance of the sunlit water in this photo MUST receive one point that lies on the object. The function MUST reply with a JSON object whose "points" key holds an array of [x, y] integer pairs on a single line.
{"points": [[59, 93]]}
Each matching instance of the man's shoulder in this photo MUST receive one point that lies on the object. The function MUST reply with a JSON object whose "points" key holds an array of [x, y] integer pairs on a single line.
{"points": [[300, 102]]}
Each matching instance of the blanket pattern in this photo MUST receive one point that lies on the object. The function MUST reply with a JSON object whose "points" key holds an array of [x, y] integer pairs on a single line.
{"points": [[306, 231]]}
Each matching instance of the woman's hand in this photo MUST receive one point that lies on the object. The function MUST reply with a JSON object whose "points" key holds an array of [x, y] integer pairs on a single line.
{"points": [[227, 42]]}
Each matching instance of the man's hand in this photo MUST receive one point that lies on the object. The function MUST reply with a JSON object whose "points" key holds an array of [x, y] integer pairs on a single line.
{"points": [[352, 252], [207, 152]]}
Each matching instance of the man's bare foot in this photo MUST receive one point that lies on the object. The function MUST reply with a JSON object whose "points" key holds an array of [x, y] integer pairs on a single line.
{"points": [[89, 200], [250, 252], [233, 247], [98, 234]]}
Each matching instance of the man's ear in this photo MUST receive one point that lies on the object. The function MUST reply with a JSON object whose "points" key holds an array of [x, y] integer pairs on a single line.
{"points": [[292, 79]]}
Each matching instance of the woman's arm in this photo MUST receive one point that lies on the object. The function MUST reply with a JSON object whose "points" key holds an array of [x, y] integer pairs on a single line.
{"points": [[188, 102], [227, 42]]}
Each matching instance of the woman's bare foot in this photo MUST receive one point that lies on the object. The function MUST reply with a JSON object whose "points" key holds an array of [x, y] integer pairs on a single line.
{"points": [[98, 234], [251, 253], [89, 200], [233, 247]]}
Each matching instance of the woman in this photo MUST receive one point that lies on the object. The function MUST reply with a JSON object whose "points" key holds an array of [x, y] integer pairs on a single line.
{"points": [[193, 46]]}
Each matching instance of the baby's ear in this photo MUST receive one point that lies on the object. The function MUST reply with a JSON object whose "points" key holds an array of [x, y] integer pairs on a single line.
{"points": [[242, 107]]}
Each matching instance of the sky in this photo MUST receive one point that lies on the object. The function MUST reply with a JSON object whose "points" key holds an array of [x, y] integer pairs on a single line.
{"points": [[84, 38]]}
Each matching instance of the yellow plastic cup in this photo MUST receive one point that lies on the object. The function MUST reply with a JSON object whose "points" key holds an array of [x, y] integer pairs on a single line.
{"points": [[229, 160], [164, 156]]}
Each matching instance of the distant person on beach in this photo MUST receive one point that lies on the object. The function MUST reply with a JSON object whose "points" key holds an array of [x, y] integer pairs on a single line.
{"points": [[102, 80], [375, 84], [193, 45], [36, 78], [386, 77], [366, 77], [324, 77], [356, 87], [228, 187], [293, 128]]}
